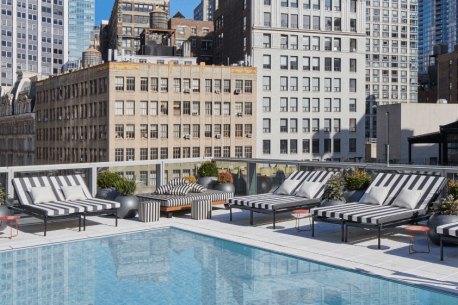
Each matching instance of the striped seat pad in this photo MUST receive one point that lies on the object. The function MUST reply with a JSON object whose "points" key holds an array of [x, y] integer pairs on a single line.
{"points": [[177, 200], [271, 201], [367, 213], [90, 204], [55, 208], [450, 229]]}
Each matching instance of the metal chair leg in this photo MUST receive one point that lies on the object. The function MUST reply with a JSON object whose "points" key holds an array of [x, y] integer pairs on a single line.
{"points": [[442, 247], [313, 226], [45, 224], [230, 213]]}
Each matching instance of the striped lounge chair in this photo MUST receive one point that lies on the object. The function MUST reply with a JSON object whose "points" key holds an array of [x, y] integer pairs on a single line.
{"points": [[447, 233], [274, 204], [385, 215], [59, 209]]}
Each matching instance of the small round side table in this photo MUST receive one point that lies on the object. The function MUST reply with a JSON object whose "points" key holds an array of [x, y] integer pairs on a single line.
{"points": [[417, 229], [301, 214], [12, 221]]}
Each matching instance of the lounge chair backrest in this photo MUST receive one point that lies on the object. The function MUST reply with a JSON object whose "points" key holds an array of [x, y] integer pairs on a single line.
{"points": [[430, 185], [70, 180], [23, 185], [320, 177]]}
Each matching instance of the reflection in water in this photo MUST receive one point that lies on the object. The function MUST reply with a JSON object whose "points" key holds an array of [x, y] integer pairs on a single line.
{"points": [[175, 267]]}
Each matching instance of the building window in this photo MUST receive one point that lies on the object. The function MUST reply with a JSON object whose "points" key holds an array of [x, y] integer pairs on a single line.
{"points": [[293, 146], [154, 84], [119, 83], [336, 145], [130, 81], [283, 146], [144, 84], [119, 131], [266, 125], [266, 104], [352, 145], [315, 146], [130, 154], [153, 131], [283, 125], [352, 125], [130, 108], [208, 85], [143, 154], [164, 84], [327, 145], [266, 83], [176, 153], [352, 85], [164, 153], [266, 147], [119, 154], [130, 131], [227, 85], [144, 131], [196, 85], [119, 107], [306, 146], [164, 131], [154, 153], [267, 41], [352, 65], [238, 151], [352, 105], [144, 107], [196, 152], [153, 107]]}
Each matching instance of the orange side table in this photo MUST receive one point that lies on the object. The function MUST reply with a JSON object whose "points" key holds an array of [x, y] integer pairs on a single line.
{"points": [[12, 221], [298, 215], [412, 230]]}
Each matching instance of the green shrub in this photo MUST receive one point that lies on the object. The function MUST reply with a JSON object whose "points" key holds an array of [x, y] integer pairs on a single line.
{"points": [[2, 195], [126, 187], [225, 178], [334, 188], [108, 179], [357, 180], [208, 169]]}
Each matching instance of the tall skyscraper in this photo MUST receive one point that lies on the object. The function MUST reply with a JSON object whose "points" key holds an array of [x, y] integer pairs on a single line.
{"points": [[81, 20], [128, 20], [205, 9], [309, 56], [34, 38], [391, 56], [438, 25]]}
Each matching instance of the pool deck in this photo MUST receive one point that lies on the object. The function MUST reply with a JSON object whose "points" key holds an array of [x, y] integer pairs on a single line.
{"points": [[360, 254]]}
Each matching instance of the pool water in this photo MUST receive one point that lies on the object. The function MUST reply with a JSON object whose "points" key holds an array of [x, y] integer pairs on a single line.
{"points": [[171, 266]]}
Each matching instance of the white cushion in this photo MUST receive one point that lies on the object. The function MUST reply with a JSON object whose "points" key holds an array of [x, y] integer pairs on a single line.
{"points": [[407, 199], [287, 187], [73, 193], [308, 189], [42, 194], [376, 195]]}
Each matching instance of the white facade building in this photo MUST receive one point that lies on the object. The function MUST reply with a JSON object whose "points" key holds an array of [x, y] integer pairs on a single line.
{"points": [[34, 38], [392, 56], [310, 60]]}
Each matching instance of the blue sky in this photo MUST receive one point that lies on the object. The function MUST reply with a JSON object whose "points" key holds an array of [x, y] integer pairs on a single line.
{"points": [[186, 7]]}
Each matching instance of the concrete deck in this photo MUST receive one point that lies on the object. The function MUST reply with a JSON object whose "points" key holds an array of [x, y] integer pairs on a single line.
{"points": [[360, 254]]}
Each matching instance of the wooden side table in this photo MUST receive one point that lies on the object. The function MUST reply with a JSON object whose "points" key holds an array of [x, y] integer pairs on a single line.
{"points": [[412, 230], [301, 214], [12, 221]]}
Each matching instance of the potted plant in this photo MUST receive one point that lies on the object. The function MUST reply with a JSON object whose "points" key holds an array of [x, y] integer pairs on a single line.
{"points": [[4, 211], [129, 202], [356, 182], [225, 183], [106, 183], [208, 173], [445, 212], [333, 193]]}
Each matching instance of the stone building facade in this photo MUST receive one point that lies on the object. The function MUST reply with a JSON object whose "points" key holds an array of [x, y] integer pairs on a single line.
{"points": [[123, 111]]}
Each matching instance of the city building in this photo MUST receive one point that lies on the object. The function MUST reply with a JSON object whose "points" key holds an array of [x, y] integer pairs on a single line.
{"points": [[122, 111], [391, 57], [129, 18], [205, 9], [309, 57], [437, 25], [199, 35], [81, 20], [396, 124], [17, 123], [34, 38]]}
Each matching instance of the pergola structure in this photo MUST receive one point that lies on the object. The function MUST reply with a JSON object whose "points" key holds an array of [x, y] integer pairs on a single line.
{"points": [[447, 138]]}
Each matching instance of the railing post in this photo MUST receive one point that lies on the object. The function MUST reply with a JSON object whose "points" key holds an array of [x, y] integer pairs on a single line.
{"points": [[159, 173], [9, 183], [252, 179], [93, 180]]}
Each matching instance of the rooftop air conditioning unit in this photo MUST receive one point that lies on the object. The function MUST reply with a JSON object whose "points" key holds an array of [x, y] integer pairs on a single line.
{"points": [[237, 91], [239, 114], [187, 91], [194, 113], [218, 136], [249, 135], [187, 136], [217, 91]]}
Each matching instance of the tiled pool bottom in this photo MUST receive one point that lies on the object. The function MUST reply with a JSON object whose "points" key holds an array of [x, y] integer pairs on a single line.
{"points": [[171, 266]]}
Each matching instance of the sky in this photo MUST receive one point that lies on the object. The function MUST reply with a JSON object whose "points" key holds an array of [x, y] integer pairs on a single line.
{"points": [[186, 7]]}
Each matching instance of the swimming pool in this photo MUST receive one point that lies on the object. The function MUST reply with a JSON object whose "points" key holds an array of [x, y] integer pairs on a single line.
{"points": [[171, 266]]}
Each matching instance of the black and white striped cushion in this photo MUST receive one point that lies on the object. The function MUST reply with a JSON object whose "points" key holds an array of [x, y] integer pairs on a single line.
{"points": [[197, 188], [180, 190], [176, 201], [273, 201], [450, 229], [164, 189], [178, 181]]}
